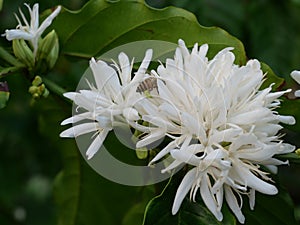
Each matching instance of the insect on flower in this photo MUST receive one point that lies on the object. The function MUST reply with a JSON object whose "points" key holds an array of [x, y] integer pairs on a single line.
{"points": [[148, 84]]}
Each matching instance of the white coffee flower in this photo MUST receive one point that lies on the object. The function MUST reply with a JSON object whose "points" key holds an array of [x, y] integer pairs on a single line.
{"points": [[296, 76], [108, 103], [220, 123], [31, 31]]}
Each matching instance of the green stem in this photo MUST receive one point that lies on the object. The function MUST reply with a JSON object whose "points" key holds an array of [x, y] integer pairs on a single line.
{"points": [[53, 87], [9, 58]]}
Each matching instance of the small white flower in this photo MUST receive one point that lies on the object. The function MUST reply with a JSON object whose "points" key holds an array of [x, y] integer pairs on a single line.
{"points": [[296, 76], [107, 104], [220, 123], [31, 31]]}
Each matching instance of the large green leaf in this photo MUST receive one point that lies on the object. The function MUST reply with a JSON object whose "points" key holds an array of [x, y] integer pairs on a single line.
{"points": [[271, 77], [273, 210], [102, 25]]}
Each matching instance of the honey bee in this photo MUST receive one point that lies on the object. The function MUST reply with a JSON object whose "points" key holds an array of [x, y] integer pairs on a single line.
{"points": [[147, 85]]}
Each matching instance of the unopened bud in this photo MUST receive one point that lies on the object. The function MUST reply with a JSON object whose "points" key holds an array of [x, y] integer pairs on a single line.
{"points": [[23, 52], [46, 93], [41, 89], [38, 89], [37, 81], [33, 89], [142, 153], [35, 95], [48, 49]]}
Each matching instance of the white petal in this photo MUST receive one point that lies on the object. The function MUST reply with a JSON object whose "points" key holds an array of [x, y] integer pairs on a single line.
{"points": [[17, 34], [290, 120], [297, 93], [233, 204], [184, 50], [273, 169], [77, 118], [131, 114], [269, 129], [144, 66], [169, 110], [70, 95], [253, 181], [296, 76], [79, 130], [242, 140], [185, 157], [183, 189], [274, 95], [208, 199], [155, 135], [96, 144], [164, 152], [125, 67], [249, 117], [260, 153], [46, 23], [194, 125], [34, 23], [224, 135], [252, 198], [160, 122], [106, 78]]}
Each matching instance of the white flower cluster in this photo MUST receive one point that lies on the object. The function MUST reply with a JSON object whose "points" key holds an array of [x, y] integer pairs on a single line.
{"points": [[220, 124]]}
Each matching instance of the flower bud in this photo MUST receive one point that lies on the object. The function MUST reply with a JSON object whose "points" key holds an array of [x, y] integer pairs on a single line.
{"points": [[38, 89], [37, 81], [23, 52], [142, 153], [48, 50], [33, 89]]}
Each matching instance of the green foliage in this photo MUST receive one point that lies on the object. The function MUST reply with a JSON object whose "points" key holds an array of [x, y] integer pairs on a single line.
{"points": [[271, 77], [89, 32], [268, 29], [277, 210]]}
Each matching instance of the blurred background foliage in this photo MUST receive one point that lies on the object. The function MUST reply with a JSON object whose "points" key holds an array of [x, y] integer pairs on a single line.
{"points": [[31, 153]]}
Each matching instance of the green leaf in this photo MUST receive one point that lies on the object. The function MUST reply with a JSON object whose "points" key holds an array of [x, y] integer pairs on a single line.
{"points": [[271, 77], [135, 214], [158, 211], [102, 25], [273, 210]]}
